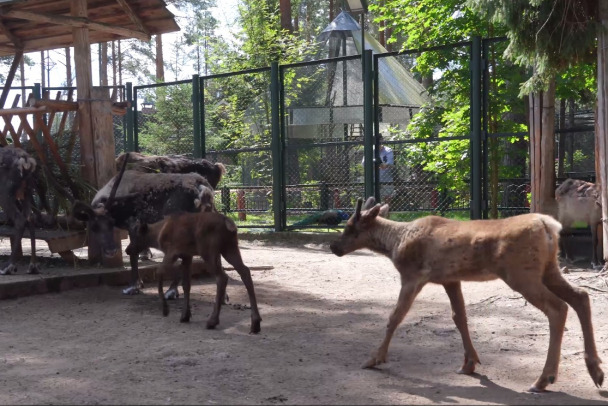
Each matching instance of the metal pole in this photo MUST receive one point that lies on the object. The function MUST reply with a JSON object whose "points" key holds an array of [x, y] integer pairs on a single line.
{"points": [[130, 118], [368, 126], [275, 121], [485, 118], [135, 122], [196, 116], [476, 129], [203, 132], [375, 74]]}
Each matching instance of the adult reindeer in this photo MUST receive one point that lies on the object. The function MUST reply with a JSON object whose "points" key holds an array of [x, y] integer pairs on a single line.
{"points": [[17, 169], [520, 250], [134, 196]]}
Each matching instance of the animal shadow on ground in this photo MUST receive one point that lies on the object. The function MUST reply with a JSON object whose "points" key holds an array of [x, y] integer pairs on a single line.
{"points": [[489, 392]]}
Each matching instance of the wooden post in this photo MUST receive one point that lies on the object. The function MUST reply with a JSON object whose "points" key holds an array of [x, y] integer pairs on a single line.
{"points": [[82, 56], [542, 149], [96, 161], [601, 134]]}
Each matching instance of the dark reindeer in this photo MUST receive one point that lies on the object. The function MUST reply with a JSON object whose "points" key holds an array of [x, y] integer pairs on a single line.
{"points": [[520, 250], [17, 169], [133, 196]]}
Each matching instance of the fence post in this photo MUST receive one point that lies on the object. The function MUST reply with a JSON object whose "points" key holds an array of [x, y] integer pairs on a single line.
{"points": [[485, 118], [276, 147], [476, 138], [135, 122], [196, 116], [368, 126], [130, 118], [202, 115]]}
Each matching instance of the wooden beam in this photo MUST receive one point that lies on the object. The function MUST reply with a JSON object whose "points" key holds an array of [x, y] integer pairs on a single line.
{"points": [[57, 105], [136, 20], [11, 76], [12, 37], [77, 22]]}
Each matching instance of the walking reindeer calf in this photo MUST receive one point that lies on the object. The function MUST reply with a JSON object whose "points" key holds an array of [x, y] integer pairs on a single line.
{"points": [[209, 234], [520, 250], [17, 169]]}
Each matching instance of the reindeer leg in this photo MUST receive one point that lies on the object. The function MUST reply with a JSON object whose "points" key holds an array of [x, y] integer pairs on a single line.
{"points": [[409, 291], [556, 310], [33, 268], [160, 273], [233, 256], [186, 313], [596, 262], [459, 316], [221, 281], [579, 300], [136, 282], [19, 226]]}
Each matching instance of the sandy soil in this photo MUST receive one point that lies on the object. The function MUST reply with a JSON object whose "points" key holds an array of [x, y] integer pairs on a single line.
{"points": [[322, 316]]}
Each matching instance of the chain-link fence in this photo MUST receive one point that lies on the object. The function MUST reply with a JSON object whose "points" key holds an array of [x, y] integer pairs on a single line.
{"points": [[323, 132], [424, 160], [237, 133]]}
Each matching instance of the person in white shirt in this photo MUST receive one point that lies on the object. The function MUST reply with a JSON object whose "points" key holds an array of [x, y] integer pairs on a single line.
{"points": [[386, 168]]}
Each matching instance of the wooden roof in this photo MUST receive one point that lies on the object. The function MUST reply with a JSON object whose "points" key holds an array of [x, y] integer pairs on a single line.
{"points": [[36, 25]]}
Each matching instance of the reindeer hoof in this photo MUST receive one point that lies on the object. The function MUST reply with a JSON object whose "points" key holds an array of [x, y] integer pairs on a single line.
{"points": [[255, 327], [12, 268], [211, 324], [186, 316], [33, 269], [467, 368], [171, 294], [165, 309], [374, 361], [534, 389], [596, 372], [131, 290]]}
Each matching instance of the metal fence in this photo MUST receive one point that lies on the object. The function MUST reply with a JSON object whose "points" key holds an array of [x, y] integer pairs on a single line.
{"points": [[296, 139]]}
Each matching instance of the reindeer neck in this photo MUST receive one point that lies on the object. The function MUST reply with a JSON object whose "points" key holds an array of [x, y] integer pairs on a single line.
{"points": [[386, 235]]}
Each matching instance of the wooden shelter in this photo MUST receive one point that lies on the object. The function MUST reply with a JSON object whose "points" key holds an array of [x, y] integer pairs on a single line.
{"points": [[37, 25]]}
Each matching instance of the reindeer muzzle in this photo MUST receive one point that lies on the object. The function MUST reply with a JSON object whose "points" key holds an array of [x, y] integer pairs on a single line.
{"points": [[335, 248]]}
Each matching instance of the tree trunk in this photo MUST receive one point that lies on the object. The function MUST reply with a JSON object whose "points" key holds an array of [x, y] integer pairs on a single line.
{"points": [[285, 10], [561, 146], [103, 64], [160, 63], [42, 69], [68, 66], [602, 113], [542, 150]]}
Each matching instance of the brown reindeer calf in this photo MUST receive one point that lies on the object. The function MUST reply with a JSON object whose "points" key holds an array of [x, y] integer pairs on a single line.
{"points": [[520, 250], [211, 235]]}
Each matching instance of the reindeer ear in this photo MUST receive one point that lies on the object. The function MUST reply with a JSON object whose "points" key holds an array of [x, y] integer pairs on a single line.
{"points": [[369, 203], [384, 210], [82, 211], [358, 209], [371, 213]]}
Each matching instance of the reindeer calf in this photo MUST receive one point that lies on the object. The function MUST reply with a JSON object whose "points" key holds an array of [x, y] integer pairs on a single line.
{"points": [[520, 250], [211, 235]]}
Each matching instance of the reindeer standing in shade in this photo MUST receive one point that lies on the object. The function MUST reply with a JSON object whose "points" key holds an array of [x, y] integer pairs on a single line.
{"points": [[17, 169], [578, 200]]}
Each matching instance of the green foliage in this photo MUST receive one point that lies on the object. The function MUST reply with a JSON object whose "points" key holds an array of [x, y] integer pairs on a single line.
{"points": [[169, 130], [548, 35]]}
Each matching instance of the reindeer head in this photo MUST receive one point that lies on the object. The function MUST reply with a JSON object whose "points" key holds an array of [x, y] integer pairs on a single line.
{"points": [[356, 233], [99, 222], [139, 244]]}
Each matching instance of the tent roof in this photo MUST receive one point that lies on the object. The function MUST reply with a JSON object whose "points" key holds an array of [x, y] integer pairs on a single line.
{"points": [[36, 25]]}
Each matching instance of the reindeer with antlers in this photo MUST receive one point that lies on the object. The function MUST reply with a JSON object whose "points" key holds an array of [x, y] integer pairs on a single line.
{"points": [[135, 196]]}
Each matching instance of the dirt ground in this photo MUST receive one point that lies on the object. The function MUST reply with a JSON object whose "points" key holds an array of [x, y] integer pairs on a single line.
{"points": [[322, 316]]}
